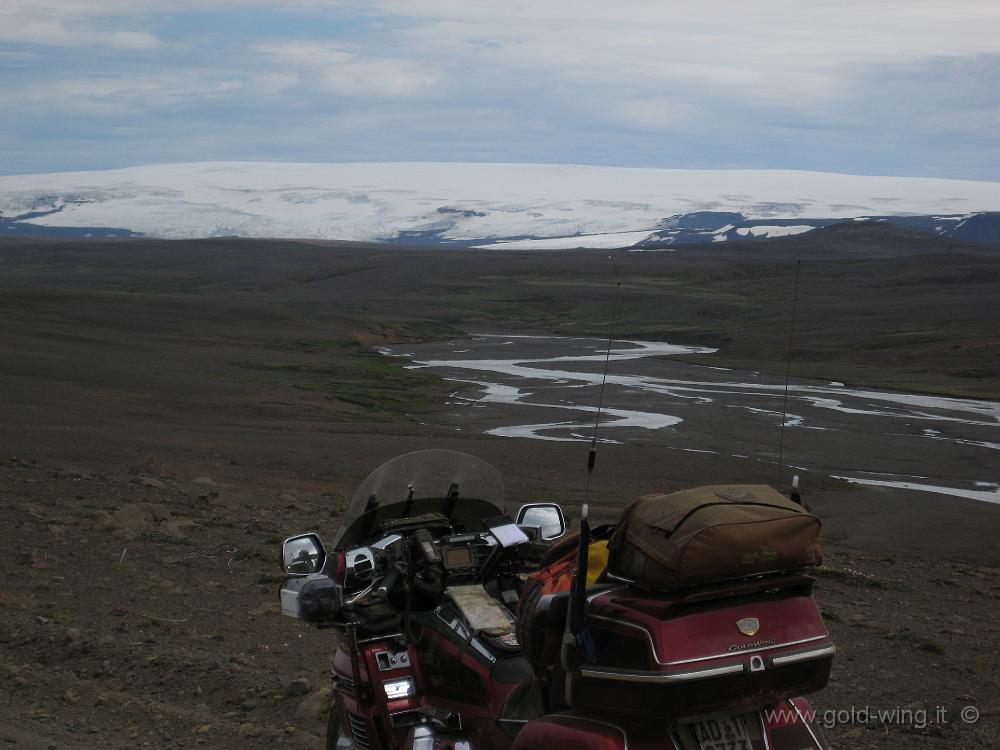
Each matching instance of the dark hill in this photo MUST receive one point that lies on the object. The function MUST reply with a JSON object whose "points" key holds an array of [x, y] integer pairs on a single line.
{"points": [[853, 239], [983, 228]]}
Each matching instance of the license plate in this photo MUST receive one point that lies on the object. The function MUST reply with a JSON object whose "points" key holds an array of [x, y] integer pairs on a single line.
{"points": [[728, 733]]}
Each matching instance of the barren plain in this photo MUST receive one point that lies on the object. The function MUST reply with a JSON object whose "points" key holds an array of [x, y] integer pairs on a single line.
{"points": [[169, 411]]}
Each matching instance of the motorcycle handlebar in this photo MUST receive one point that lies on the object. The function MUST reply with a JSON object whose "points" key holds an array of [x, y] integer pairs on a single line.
{"points": [[388, 581], [423, 546]]}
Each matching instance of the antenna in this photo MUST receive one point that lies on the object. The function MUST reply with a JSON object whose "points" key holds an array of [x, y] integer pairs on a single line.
{"points": [[592, 457], [788, 372], [576, 639]]}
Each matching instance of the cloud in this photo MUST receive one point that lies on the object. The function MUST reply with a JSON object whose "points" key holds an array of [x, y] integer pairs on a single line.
{"points": [[379, 78], [762, 47], [774, 83], [274, 83], [342, 72], [119, 96], [304, 53], [47, 26], [864, 30]]}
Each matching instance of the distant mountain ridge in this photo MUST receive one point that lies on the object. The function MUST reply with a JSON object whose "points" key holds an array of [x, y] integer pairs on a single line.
{"points": [[707, 226], [516, 206]]}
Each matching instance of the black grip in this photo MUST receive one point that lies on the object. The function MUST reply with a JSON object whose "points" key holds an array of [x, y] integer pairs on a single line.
{"points": [[389, 582]]}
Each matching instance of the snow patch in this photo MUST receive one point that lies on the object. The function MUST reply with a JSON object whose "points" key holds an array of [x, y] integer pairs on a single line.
{"points": [[600, 241], [765, 230]]}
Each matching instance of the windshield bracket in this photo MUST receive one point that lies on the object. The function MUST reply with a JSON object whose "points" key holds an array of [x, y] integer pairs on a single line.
{"points": [[450, 499]]}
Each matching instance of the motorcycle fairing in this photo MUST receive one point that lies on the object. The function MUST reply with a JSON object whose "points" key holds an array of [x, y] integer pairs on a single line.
{"points": [[465, 489], [369, 715], [493, 692]]}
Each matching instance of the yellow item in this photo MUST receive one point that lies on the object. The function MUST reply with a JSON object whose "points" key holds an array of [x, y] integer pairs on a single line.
{"points": [[597, 560]]}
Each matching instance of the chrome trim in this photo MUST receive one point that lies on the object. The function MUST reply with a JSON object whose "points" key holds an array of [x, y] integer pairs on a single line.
{"points": [[763, 730], [342, 680], [658, 678], [659, 661], [359, 731], [440, 717], [455, 624], [812, 734], [615, 577], [816, 653], [351, 600], [361, 554], [351, 560], [402, 657], [592, 597], [486, 653], [398, 719], [385, 542], [423, 737]]}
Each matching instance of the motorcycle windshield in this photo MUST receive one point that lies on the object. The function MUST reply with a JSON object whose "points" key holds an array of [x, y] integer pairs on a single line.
{"points": [[465, 488]]}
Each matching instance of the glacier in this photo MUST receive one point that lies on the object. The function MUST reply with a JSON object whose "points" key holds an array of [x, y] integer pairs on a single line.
{"points": [[515, 206]]}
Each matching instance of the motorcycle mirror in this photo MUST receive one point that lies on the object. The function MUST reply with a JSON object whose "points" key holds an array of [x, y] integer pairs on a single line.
{"points": [[302, 555], [549, 517]]}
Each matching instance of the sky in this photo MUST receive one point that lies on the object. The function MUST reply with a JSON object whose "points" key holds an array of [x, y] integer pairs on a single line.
{"points": [[881, 87]]}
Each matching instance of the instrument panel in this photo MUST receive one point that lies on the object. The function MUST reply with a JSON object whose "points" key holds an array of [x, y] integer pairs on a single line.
{"points": [[457, 557]]}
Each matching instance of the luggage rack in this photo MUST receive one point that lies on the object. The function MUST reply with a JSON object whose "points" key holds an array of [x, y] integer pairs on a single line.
{"points": [[724, 589]]}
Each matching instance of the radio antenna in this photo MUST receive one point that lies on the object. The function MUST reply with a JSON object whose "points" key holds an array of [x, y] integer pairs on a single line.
{"points": [[592, 457], [576, 639], [788, 372]]}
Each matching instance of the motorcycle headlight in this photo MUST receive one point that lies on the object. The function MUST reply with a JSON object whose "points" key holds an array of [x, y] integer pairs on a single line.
{"points": [[396, 689]]}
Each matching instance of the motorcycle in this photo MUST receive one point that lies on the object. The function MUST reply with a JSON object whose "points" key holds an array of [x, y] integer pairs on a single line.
{"points": [[423, 582]]}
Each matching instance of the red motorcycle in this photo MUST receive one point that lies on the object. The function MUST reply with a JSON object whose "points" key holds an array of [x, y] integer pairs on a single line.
{"points": [[422, 583]]}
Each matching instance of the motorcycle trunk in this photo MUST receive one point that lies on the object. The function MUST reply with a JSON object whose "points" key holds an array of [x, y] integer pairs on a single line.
{"points": [[743, 645], [713, 667]]}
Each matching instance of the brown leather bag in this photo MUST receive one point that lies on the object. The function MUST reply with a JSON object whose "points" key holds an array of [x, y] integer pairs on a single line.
{"points": [[709, 534]]}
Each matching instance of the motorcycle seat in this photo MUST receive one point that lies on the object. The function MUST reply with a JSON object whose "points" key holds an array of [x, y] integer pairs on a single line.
{"points": [[540, 626], [541, 622]]}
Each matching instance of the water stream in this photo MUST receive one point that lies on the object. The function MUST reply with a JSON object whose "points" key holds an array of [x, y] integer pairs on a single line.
{"points": [[546, 388]]}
